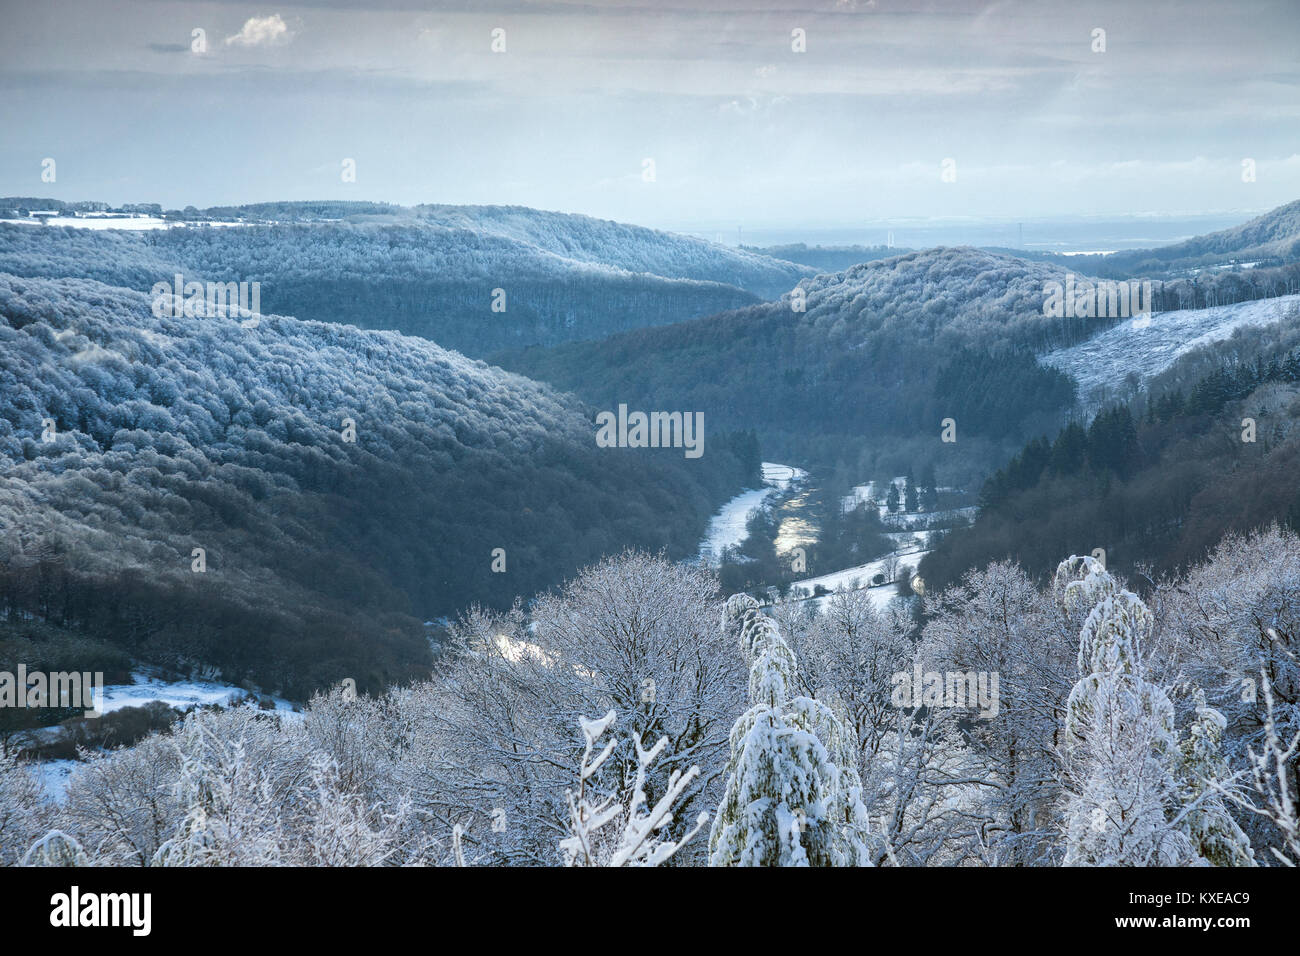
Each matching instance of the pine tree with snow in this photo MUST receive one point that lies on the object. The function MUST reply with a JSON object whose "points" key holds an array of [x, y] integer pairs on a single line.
{"points": [[1202, 771], [1119, 736], [787, 801]]}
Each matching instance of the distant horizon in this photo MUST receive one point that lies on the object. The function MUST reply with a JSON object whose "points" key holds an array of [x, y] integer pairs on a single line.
{"points": [[1153, 214], [1068, 233]]}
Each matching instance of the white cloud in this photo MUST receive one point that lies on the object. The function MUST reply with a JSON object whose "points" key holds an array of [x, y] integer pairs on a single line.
{"points": [[261, 31]]}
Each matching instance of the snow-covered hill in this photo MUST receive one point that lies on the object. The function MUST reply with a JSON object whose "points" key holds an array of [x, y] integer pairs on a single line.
{"points": [[310, 485], [1148, 346], [478, 279], [617, 245]]}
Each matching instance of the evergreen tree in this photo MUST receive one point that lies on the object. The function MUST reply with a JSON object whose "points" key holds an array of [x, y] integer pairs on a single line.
{"points": [[1070, 450], [1201, 766], [792, 797], [1112, 442], [1119, 736], [892, 498]]}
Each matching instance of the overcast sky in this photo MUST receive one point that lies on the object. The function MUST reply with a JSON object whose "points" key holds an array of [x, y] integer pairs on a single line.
{"points": [[739, 126]]}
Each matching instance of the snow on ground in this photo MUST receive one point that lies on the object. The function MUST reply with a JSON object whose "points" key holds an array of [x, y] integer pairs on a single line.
{"points": [[880, 597], [913, 522], [53, 776], [1149, 345], [137, 223], [727, 527], [781, 477], [145, 687], [870, 492], [861, 575], [909, 540]]}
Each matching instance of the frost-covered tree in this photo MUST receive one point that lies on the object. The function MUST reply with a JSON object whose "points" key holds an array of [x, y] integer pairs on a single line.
{"points": [[787, 802], [489, 735], [1203, 773], [1229, 626], [638, 839], [848, 655], [22, 810], [997, 622], [123, 804], [1122, 799], [341, 830], [1274, 800], [233, 811], [56, 848]]}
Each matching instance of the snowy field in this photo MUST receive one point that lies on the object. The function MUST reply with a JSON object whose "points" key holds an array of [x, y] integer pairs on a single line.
{"points": [[880, 595], [727, 527], [910, 540], [135, 224], [781, 477], [861, 575], [53, 775], [1150, 345], [869, 492], [145, 687]]}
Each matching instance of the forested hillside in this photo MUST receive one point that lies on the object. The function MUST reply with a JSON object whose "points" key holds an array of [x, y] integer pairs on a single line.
{"points": [[477, 279], [1154, 483], [342, 485], [885, 349]]}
